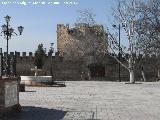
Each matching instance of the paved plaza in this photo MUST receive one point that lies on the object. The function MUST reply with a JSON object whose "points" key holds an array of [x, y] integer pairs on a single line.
{"points": [[91, 100]]}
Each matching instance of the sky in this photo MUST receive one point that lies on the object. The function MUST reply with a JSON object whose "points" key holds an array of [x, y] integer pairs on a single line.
{"points": [[40, 20]]}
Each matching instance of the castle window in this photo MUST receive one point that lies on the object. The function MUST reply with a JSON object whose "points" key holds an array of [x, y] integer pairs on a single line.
{"points": [[70, 31]]}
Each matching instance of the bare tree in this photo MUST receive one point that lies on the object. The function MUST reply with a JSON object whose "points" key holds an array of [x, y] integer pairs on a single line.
{"points": [[148, 26], [86, 16], [126, 14], [141, 21]]}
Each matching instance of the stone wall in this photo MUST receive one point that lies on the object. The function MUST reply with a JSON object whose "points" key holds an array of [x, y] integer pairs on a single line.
{"points": [[62, 69], [72, 70], [9, 95], [150, 66]]}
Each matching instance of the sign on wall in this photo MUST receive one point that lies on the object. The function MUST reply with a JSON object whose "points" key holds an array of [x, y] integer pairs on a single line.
{"points": [[11, 97]]}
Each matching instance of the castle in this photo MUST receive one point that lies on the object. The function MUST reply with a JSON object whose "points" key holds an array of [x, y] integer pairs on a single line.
{"points": [[81, 40], [81, 56]]}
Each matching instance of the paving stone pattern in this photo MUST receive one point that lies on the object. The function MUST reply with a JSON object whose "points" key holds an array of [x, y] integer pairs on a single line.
{"points": [[91, 100]]}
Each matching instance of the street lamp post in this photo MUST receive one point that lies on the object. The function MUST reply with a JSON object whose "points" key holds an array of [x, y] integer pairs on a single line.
{"points": [[52, 51], [119, 44], [7, 32], [119, 57]]}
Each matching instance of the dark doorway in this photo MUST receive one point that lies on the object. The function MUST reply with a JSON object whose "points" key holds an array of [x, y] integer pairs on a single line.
{"points": [[97, 70]]}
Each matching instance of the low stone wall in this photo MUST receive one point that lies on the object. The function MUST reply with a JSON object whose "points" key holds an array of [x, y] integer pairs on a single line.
{"points": [[33, 80], [9, 95]]}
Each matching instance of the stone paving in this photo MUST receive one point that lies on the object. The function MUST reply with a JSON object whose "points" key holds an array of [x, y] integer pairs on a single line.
{"points": [[91, 100]]}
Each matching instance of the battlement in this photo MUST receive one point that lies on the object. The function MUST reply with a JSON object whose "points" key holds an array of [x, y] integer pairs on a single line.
{"points": [[28, 54], [62, 26], [31, 54], [81, 27], [139, 56], [85, 25]]}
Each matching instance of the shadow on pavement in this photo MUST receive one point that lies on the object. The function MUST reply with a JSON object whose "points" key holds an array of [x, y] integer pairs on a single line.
{"points": [[37, 113]]}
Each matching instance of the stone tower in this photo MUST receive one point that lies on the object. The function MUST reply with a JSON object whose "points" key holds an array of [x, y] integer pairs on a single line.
{"points": [[82, 40], [62, 35]]}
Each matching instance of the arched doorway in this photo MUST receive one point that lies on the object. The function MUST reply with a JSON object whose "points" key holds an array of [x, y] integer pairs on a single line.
{"points": [[97, 70]]}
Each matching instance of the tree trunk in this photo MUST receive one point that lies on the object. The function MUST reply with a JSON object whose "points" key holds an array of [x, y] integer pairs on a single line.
{"points": [[158, 73], [143, 76], [131, 71]]}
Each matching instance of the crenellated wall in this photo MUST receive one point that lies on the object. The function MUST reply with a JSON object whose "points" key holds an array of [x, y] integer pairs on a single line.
{"points": [[76, 70], [61, 69], [149, 63]]}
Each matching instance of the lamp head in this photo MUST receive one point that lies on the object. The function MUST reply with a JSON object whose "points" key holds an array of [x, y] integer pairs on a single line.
{"points": [[20, 29], [4, 27], [7, 18]]}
